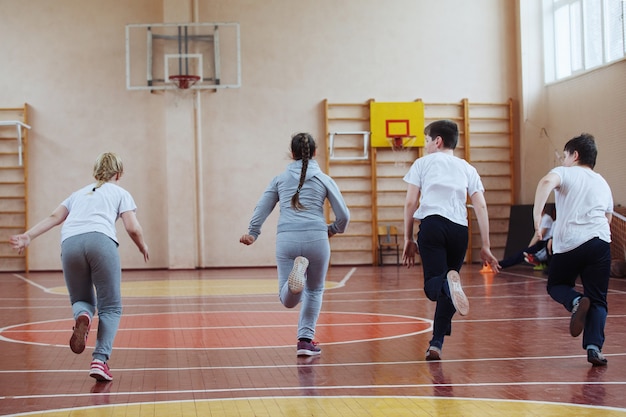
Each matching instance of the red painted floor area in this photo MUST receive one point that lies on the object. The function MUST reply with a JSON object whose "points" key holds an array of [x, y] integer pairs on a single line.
{"points": [[223, 330]]}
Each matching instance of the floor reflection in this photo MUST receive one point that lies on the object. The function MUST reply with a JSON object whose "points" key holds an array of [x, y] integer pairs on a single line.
{"points": [[441, 384], [306, 374]]}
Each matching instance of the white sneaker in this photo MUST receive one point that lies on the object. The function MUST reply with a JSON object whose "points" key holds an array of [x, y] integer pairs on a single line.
{"points": [[460, 301], [297, 276]]}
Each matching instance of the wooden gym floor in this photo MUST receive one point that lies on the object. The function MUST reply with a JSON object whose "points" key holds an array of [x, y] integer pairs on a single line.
{"points": [[219, 343]]}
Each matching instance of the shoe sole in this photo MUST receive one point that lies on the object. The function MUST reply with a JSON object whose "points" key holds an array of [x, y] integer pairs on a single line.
{"points": [[459, 299], [297, 279], [307, 352], [597, 362], [577, 322], [100, 375], [79, 337]]}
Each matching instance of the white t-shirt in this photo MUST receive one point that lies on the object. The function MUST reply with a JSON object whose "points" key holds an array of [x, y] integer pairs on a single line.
{"points": [[96, 211], [444, 181], [582, 201]]}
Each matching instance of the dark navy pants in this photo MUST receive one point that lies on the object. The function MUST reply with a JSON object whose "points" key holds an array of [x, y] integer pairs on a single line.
{"points": [[592, 262], [442, 245]]}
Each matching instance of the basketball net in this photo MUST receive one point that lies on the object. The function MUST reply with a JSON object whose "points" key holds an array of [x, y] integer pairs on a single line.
{"points": [[401, 146], [183, 84]]}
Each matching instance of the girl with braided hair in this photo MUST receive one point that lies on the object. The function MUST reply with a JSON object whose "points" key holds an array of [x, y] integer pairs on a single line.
{"points": [[89, 255], [302, 246]]}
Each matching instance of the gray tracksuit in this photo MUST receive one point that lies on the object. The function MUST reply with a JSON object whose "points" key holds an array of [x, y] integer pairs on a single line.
{"points": [[302, 233]]}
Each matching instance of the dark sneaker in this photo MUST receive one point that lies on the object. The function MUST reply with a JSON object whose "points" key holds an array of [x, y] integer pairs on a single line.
{"points": [[297, 276], [433, 353], [81, 330], [100, 371], [596, 358], [579, 314], [460, 301], [308, 349]]}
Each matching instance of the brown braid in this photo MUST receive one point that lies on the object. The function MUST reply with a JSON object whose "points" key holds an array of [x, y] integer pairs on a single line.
{"points": [[301, 149]]}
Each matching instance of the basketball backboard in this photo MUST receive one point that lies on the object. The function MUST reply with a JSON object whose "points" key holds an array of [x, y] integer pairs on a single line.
{"points": [[158, 54], [397, 123]]}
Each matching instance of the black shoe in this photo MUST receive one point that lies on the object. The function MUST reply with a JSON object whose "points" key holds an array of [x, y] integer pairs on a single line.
{"points": [[433, 353], [579, 315], [596, 358]]}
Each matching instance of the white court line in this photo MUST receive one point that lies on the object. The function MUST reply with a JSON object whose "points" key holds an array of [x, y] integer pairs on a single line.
{"points": [[343, 283], [33, 283], [403, 320], [316, 387], [345, 279], [243, 326], [316, 365], [5, 332]]}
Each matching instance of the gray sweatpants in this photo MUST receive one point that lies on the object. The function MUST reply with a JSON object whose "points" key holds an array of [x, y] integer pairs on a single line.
{"points": [[92, 260], [315, 247]]}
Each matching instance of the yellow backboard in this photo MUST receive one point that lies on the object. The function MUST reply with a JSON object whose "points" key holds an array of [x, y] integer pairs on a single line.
{"points": [[401, 121]]}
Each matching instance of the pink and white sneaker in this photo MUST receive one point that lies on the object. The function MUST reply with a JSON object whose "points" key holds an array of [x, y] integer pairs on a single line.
{"points": [[100, 371]]}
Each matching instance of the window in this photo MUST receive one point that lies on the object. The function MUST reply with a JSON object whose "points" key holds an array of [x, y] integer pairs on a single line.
{"points": [[580, 35]]}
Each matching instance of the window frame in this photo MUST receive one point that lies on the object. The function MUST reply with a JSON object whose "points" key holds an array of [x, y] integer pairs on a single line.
{"points": [[571, 36]]}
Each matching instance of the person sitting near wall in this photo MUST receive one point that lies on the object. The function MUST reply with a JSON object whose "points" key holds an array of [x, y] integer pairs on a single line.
{"points": [[537, 249], [540, 259]]}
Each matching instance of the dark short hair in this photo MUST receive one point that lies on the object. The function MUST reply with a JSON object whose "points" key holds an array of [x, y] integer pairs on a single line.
{"points": [[585, 145], [446, 129]]}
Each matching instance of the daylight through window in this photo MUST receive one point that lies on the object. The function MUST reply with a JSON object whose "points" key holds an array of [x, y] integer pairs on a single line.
{"points": [[580, 35]]}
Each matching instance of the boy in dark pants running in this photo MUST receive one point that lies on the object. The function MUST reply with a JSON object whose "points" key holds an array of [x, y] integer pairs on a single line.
{"points": [[581, 241], [439, 183]]}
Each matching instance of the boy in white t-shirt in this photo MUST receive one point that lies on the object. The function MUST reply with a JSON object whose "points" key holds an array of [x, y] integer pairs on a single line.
{"points": [[581, 241], [439, 183]]}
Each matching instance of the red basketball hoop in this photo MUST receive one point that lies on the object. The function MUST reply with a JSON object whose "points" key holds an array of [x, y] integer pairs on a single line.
{"points": [[397, 143], [401, 147], [400, 143], [184, 81]]}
